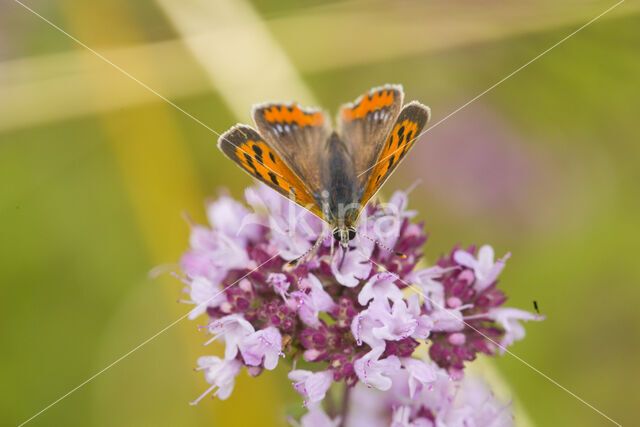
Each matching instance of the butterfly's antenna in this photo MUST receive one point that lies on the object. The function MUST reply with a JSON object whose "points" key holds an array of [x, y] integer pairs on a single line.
{"points": [[396, 253], [359, 247], [312, 249]]}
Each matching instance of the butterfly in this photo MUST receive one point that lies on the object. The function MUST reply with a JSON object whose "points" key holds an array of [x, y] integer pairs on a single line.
{"points": [[333, 174]]}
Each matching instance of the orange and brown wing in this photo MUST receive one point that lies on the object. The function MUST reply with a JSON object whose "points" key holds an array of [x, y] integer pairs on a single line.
{"points": [[365, 124], [404, 134], [299, 135], [251, 152]]}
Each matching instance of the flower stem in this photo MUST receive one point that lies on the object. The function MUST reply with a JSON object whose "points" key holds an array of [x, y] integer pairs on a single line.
{"points": [[344, 410]]}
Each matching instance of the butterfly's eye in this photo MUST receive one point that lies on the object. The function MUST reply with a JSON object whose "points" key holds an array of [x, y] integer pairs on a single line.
{"points": [[352, 233], [336, 234]]}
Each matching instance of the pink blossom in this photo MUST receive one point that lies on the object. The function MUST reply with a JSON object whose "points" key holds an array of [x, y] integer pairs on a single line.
{"points": [[419, 373], [312, 302], [441, 402], [264, 344], [448, 319], [395, 323], [399, 200], [316, 417], [293, 229], [376, 372], [483, 267], [204, 293], [432, 289], [215, 250], [226, 215], [510, 319], [424, 322], [354, 268], [312, 386], [220, 374], [402, 418], [234, 329], [380, 286], [353, 324], [365, 323], [280, 284]]}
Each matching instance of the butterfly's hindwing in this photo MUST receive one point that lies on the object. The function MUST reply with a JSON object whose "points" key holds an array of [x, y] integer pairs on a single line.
{"points": [[299, 135], [365, 124], [251, 152], [404, 134]]}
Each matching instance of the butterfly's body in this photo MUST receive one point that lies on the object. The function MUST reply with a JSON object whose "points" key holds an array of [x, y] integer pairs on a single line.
{"points": [[332, 174], [340, 197]]}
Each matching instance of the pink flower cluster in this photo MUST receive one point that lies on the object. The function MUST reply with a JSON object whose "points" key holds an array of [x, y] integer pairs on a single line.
{"points": [[357, 317], [463, 403]]}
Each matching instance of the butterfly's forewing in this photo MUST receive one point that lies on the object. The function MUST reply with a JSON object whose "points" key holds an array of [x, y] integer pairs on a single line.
{"points": [[404, 134], [299, 135], [365, 124], [251, 152]]}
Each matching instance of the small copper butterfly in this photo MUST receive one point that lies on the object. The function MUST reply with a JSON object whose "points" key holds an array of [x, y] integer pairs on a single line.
{"points": [[333, 174]]}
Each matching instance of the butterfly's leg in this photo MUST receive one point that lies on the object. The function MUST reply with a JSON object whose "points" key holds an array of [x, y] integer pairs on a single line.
{"points": [[344, 255], [331, 253], [311, 250]]}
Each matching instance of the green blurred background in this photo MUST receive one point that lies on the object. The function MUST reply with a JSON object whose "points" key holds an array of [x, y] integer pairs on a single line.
{"points": [[95, 171]]}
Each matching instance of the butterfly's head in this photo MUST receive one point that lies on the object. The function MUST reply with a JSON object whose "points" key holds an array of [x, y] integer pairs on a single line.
{"points": [[344, 235]]}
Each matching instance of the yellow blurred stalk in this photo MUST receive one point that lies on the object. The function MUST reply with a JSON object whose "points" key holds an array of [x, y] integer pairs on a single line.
{"points": [[160, 181], [243, 61]]}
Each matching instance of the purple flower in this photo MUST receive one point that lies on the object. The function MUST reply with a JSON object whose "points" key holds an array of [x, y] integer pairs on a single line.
{"points": [[509, 319], [312, 386], [484, 269], [265, 344], [204, 293], [221, 374], [376, 372], [382, 323], [226, 215], [419, 372], [380, 286], [395, 323], [280, 284], [441, 401], [432, 290], [355, 267], [312, 300], [366, 322], [316, 417], [355, 318], [234, 329], [464, 325]]}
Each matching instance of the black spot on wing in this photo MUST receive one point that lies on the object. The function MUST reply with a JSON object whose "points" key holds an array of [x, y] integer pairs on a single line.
{"points": [[253, 170], [272, 157], [273, 178], [400, 136], [407, 143], [409, 134]]}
